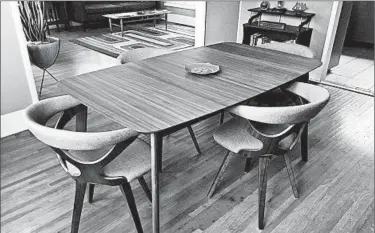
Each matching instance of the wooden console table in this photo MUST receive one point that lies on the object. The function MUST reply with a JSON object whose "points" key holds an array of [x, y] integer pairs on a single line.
{"points": [[300, 33]]}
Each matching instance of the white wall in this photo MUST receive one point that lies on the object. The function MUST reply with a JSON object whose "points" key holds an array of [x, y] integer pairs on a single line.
{"points": [[17, 82], [221, 21], [183, 12], [319, 23], [16, 72]]}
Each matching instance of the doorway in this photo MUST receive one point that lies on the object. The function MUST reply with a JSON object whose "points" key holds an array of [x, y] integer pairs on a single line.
{"points": [[351, 64]]}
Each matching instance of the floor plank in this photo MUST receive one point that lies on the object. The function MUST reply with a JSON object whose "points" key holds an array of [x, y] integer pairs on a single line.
{"points": [[335, 185]]}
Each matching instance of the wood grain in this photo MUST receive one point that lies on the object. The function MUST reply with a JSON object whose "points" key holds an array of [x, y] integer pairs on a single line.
{"points": [[336, 185], [157, 94]]}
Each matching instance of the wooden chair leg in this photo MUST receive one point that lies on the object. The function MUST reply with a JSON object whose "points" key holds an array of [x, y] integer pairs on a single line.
{"points": [[304, 144], [128, 193], [218, 176], [221, 117], [292, 178], [78, 204], [145, 188], [263, 164], [248, 164], [194, 139], [91, 192]]}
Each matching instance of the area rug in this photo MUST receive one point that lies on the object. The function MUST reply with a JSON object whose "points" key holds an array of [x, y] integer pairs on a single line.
{"points": [[137, 37]]}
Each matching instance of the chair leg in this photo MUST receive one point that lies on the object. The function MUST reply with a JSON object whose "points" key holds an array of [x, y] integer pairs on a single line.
{"points": [[221, 117], [248, 165], [91, 192], [218, 176], [128, 193], [41, 85], [194, 139], [292, 178], [78, 204], [263, 164], [145, 188]]}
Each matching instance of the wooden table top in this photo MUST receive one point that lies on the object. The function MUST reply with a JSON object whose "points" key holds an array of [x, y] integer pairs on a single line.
{"points": [[157, 94], [136, 14]]}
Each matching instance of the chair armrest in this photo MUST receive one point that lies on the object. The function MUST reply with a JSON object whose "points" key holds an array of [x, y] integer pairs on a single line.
{"points": [[284, 132], [298, 136]]}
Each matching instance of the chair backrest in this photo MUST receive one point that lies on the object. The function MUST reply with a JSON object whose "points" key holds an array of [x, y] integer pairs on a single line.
{"points": [[283, 121], [316, 96], [291, 48], [62, 140], [140, 54]]}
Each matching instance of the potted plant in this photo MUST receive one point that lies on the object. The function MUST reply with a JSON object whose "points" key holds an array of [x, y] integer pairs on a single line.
{"points": [[43, 50]]}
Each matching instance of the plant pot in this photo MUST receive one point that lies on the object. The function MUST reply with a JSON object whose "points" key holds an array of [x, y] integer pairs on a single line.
{"points": [[44, 54]]}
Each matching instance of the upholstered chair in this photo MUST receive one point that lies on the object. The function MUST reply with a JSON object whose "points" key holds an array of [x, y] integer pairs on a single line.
{"points": [[113, 158], [266, 132], [144, 53], [276, 96], [290, 48]]}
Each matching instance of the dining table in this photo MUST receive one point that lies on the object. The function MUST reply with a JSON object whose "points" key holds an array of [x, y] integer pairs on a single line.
{"points": [[157, 96]]}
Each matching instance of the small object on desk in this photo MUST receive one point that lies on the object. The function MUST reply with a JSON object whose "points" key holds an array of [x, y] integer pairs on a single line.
{"points": [[280, 4], [202, 68], [265, 5], [299, 7], [272, 25]]}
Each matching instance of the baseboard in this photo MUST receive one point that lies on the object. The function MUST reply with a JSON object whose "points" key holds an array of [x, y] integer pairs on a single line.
{"points": [[181, 19], [12, 123]]}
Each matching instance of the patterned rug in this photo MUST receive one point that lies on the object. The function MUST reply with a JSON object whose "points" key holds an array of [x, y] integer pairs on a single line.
{"points": [[138, 37]]}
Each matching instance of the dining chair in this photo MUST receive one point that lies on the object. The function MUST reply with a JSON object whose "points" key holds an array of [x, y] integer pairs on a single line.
{"points": [[144, 53], [290, 48], [113, 158], [265, 132], [278, 95]]}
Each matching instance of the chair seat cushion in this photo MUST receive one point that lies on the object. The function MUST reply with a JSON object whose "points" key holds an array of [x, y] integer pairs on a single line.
{"points": [[132, 163], [234, 136]]}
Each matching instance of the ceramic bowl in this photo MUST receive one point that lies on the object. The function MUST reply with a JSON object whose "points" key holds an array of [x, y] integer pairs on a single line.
{"points": [[202, 68]]}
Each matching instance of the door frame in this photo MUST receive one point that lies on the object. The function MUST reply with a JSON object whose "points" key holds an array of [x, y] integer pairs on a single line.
{"points": [[330, 38], [200, 23]]}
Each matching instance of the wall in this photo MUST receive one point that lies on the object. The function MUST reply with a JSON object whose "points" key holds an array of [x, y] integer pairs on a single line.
{"points": [[182, 12], [361, 24], [221, 22], [319, 23], [15, 67]]}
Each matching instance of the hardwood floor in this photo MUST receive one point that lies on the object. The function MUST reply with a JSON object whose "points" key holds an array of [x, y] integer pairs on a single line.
{"points": [[336, 185]]}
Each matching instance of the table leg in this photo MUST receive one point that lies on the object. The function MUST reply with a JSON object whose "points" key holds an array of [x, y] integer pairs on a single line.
{"points": [[156, 153], [166, 22], [81, 120], [305, 143], [110, 25], [305, 136], [122, 27]]}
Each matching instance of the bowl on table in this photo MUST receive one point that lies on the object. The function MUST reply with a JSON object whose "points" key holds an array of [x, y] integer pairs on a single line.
{"points": [[202, 68]]}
